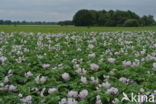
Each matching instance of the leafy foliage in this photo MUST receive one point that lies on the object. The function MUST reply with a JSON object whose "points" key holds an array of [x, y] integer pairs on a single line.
{"points": [[78, 67], [131, 23], [109, 18]]}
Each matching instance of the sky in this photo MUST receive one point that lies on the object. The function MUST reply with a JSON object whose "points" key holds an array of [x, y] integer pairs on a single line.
{"points": [[58, 10]]}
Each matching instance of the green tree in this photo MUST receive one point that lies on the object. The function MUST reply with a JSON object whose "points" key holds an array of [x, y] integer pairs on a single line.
{"points": [[1, 22], [148, 20], [83, 18], [102, 18], [110, 20], [94, 16]]}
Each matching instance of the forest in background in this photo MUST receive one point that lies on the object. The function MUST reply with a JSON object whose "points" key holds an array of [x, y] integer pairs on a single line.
{"points": [[115, 18], [84, 17]]}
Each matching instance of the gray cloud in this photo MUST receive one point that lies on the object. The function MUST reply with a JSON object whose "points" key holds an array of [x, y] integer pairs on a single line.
{"points": [[55, 10]]}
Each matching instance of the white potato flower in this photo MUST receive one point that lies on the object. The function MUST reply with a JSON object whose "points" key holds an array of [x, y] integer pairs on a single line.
{"points": [[94, 67], [111, 60], [66, 76], [83, 94], [52, 90]]}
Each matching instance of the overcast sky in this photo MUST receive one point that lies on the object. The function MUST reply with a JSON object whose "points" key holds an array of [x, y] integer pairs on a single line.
{"points": [[56, 10]]}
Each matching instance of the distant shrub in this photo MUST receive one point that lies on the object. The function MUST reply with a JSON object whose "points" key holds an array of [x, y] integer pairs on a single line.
{"points": [[131, 23], [67, 22]]}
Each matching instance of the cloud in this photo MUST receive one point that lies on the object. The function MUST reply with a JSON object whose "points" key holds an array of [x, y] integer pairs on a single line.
{"points": [[55, 10]]}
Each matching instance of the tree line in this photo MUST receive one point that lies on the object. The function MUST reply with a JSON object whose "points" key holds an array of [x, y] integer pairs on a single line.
{"points": [[9, 22], [86, 17], [128, 18]]}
